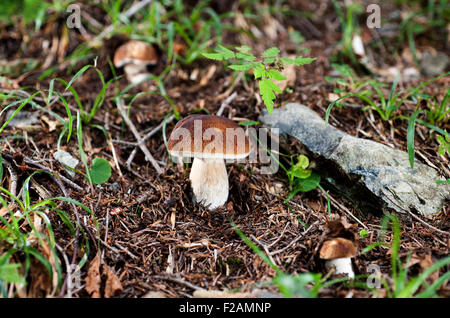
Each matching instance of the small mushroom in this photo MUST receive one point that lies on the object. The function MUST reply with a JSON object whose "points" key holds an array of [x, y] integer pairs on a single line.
{"points": [[338, 253], [135, 56], [209, 140]]}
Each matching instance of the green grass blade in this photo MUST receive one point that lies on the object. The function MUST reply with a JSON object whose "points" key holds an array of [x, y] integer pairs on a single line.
{"points": [[410, 137]]}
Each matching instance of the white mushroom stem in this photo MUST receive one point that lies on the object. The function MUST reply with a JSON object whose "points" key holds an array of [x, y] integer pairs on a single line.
{"points": [[342, 266], [209, 180], [135, 73]]}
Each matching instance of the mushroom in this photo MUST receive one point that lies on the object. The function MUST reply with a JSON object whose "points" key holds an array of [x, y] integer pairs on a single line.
{"points": [[134, 56], [338, 253], [209, 140]]}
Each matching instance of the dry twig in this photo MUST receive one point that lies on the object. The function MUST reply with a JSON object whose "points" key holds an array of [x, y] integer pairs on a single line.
{"points": [[141, 145]]}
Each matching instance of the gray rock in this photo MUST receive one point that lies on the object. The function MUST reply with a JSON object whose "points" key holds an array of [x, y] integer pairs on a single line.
{"points": [[433, 64], [66, 159], [383, 172], [22, 118], [114, 187]]}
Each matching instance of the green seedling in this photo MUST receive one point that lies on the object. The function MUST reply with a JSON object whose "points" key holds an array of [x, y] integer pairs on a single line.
{"points": [[100, 171], [439, 112], [301, 179], [266, 69], [444, 144], [363, 233]]}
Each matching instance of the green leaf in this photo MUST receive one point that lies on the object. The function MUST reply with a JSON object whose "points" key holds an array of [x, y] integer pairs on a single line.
{"points": [[301, 173], [443, 181], [304, 185], [259, 71], [410, 136], [100, 171], [78, 74], [245, 123], [272, 52], [308, 184], [246, 56], [303, 162], [363, 233], [274, 74], [244, 49], [241, 67], [1, 167], [287, 60], [267, 94], [272, 85], [269, 60], [299, 61], [10, 274], [226, 53], [213, 56]]}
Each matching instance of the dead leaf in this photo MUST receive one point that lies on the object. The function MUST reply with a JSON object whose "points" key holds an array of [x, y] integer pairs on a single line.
{"points": [[93, 278], [206, 78], [427, 262], [290, 73], [3, 211], [51, 124], [179, 48], [113, 284]]}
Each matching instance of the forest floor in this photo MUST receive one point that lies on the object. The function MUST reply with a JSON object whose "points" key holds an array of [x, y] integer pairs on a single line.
{"points": [[145, 233]]}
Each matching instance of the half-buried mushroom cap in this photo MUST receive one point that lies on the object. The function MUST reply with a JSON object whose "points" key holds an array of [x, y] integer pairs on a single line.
{"points": [[210, 140], [337, 248], [134, 56], [338, 253], [135, 52]]}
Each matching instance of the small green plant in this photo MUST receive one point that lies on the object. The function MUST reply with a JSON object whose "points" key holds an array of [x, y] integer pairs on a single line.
{"points": [[301, 179], [100, 171], [421, 20], [266, 69], [349, 28], [399, 285], [23, 240], [386, 107], [444, 144], [86, 115], [439, 112], [363, 233]]}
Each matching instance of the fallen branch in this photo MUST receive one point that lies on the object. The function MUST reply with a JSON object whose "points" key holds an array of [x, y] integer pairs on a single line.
{"points": [[141, 144], [148, 135], [42, 167], [225, 103], [12, 173], [343, 208]]}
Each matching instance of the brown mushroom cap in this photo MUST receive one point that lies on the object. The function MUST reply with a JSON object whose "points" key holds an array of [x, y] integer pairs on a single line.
{"points": [[337, 248], [136, 52], [233, 145]]}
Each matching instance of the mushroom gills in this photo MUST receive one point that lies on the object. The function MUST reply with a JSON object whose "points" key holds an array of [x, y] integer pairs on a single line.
{"points": [[209, 182], [342, 265]]}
